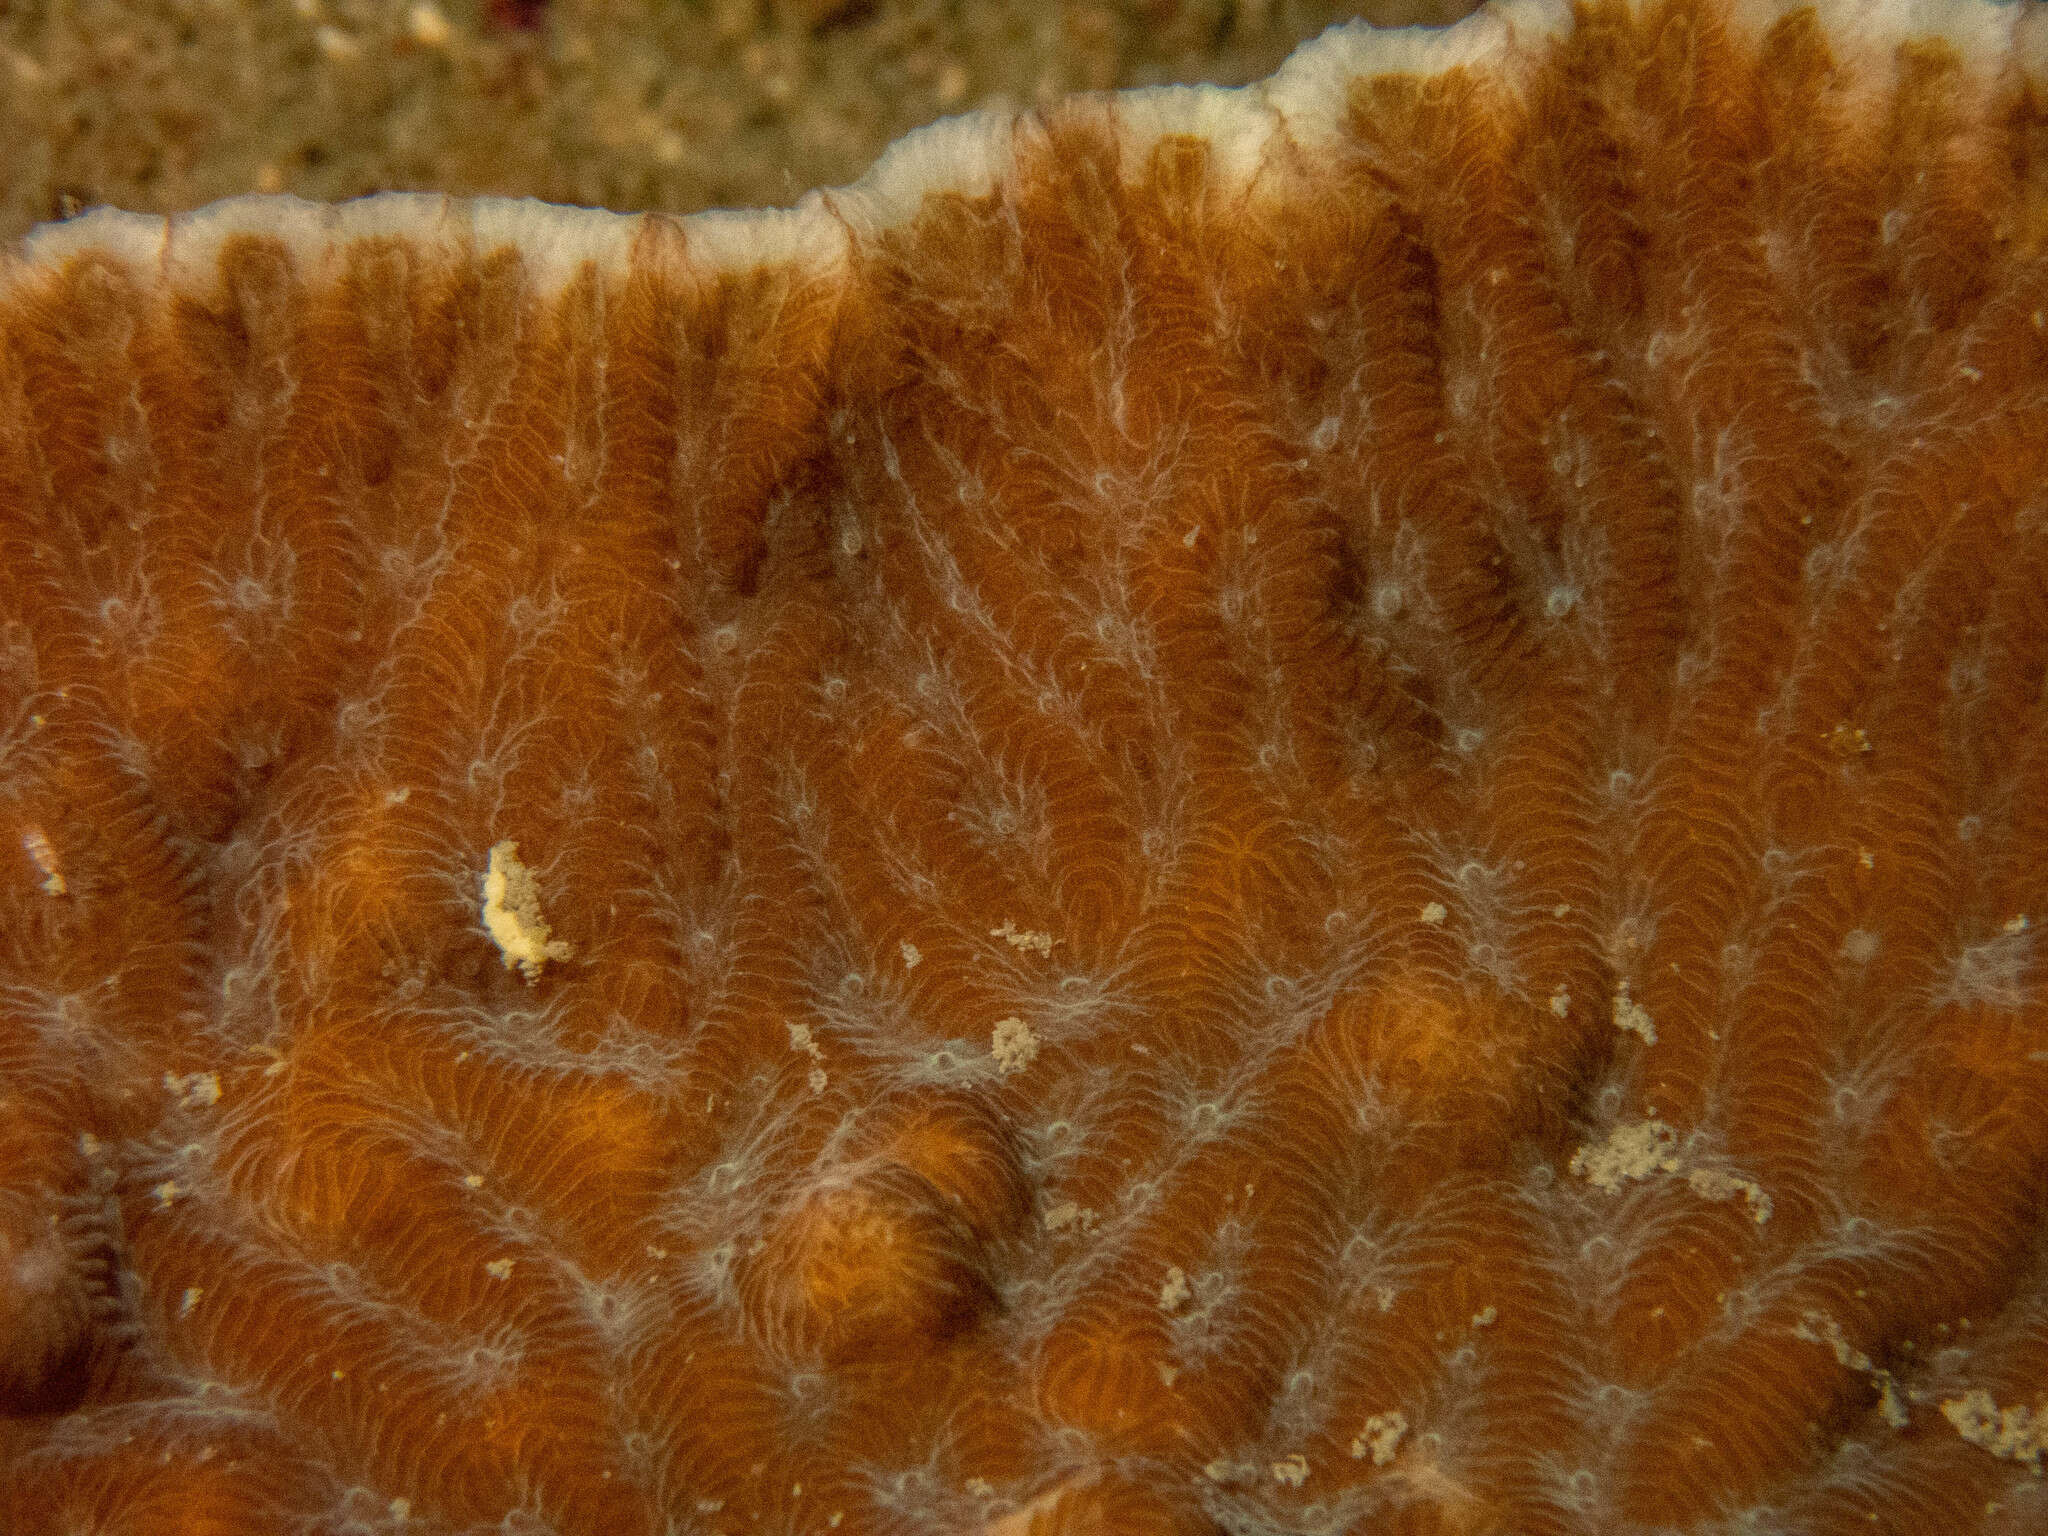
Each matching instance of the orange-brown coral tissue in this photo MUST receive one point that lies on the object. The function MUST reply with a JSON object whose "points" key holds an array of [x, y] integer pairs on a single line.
{"points": [[1318, 810]]}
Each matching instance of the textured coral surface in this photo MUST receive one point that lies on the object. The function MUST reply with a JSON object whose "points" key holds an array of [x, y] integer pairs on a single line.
{"points": [[1317, 812]]}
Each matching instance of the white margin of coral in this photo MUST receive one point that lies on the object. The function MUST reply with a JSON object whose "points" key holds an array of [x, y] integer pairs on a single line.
{"points": [[1299, 105]]}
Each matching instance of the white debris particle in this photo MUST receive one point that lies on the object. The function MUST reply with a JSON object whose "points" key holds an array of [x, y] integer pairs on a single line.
{"points": [[1068, 1214], [1018, 938], [817, 1079], [1486, 1317], [336, 46], [511, 914], [1176, 1290], [1380, 1437], [167, 1192], [1561, 1001], [499, 1269], [1630, 1152], [1816, 1327], [473, 1180], [190, 1299], [1433, 913], [2012, 925], [428, 26], [196, 1090], [1291, 1470], [1889, 1401], [1651, 1147], [801, 1039], [1632, 1016], [911, 955], [1714, 1184], [1819, 1328], [1013, 1044], [401, 1510], [2016, 1434], [36, 844]]}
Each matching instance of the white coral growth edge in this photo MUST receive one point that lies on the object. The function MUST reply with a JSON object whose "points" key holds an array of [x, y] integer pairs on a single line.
{"points": [[1299, 107]]}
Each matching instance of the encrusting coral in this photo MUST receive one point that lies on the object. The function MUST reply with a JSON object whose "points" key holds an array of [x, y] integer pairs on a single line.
{"points": [[1308, 810]]}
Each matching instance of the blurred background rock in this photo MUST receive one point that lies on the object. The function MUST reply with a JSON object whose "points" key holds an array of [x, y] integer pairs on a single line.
{"points": [[159, 105]]}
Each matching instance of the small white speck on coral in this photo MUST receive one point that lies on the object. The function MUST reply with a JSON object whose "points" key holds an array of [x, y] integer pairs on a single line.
{"points": [[1013, 1044], [36, 843], [1068, 1214], [511, 914], [2017, 1433], [1380, 1438], [1175, 1291], [1715, 1184], [1632, 1017], [1291, 1471], [1630, 1152], [1023, 938]]}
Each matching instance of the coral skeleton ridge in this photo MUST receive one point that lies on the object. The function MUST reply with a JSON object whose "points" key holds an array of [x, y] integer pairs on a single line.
{"points": [[1319, 809]]}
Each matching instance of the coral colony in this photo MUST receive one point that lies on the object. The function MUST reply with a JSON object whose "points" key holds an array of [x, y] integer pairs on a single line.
{"points": [[1308, 810]]}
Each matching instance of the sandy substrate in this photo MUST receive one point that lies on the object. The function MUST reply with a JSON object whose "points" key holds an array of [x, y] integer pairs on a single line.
{"points": [[158, 105]]}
